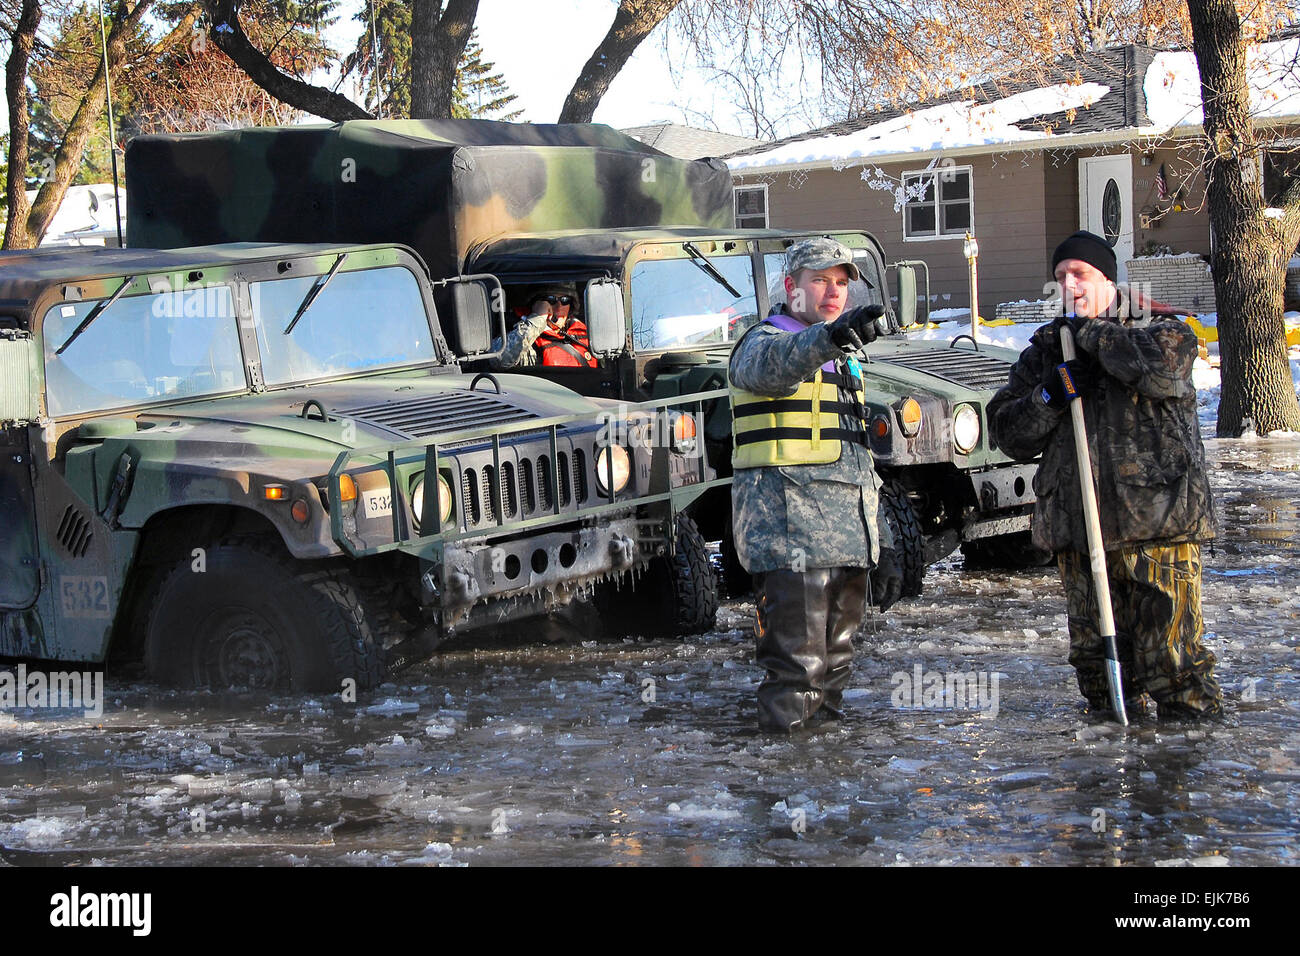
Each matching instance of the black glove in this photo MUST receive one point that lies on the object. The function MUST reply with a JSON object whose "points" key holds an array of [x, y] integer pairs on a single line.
{"points": [[856, 327], [1082, 373], [886, 580]]}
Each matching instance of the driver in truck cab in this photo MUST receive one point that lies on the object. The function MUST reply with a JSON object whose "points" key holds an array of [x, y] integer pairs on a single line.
{"points": [[805, 497], [550, 334]]}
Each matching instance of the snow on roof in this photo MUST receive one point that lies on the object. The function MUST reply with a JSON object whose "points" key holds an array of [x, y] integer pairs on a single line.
{"points": [[1173, 84], [947, 126], [1171, 87]]}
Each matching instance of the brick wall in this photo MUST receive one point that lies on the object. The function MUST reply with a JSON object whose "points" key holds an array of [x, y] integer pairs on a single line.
{"points": [[1181, 281], [1036, 312]]}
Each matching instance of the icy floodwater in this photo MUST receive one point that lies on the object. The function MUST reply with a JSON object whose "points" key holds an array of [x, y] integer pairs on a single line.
{"points": [[644, 752]]}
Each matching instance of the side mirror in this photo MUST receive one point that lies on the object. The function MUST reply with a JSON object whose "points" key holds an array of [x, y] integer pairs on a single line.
{"points": [[604, 315], [472, 312], [906, 295], [909, 313], [19, 398]]}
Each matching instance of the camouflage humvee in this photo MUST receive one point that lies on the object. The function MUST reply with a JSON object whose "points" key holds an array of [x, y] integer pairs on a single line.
{"points": [[539, 205], [219, 456]]}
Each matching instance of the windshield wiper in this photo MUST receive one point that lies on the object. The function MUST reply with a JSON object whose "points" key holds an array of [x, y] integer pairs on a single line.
{"points": [[317, 288], [100, 307], [709, 269]]}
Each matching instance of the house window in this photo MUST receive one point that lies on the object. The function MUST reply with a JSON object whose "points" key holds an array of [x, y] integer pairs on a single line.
{"points": [[939, 203], [1281, 170], [751, 207]]}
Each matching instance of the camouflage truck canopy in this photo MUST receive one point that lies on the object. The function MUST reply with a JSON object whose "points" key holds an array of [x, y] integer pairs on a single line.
{"points": [[442, 185]]}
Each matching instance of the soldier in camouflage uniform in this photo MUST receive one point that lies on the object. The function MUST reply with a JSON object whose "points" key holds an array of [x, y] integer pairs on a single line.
{"points": [[550, 335], [1135, 375], [805, 493]]}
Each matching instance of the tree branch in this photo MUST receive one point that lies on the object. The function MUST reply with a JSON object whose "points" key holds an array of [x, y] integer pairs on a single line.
{"points": [[231, 40], [633, 22]]}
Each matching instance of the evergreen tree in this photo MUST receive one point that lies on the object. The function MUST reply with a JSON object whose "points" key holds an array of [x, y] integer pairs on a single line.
{"points": [[479, 92]]}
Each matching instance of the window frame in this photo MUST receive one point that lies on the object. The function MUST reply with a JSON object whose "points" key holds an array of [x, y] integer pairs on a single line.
{"points": [[735, 206], [937, 203]]}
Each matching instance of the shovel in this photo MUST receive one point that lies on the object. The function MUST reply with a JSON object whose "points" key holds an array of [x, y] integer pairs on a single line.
{"points": [[1096, 554]]}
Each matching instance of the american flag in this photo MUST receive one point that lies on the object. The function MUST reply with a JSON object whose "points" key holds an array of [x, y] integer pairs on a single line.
{"points": [[1162, 184]]}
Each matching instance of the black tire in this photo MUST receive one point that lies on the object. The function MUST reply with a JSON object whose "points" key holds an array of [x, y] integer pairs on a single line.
{"points": [[688, 576], [909, 539], [695, 586], [255, 617], [1007, 552]]}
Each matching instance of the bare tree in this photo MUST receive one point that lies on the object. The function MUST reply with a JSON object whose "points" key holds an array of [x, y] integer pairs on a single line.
{"points": [[27, 225], [633, 22], [438, 38], [1251, 250], [227, 32]]}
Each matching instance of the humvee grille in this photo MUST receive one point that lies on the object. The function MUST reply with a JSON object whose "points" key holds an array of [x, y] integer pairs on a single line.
{"points": [[960, 366], [74, 532], [450, 411]]}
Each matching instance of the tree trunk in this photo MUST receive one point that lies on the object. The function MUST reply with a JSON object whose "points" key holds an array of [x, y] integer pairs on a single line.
{"points": [[67, 160], [24, 38], [633, 22], [437, 41], [231, 40], [1249, 259]]}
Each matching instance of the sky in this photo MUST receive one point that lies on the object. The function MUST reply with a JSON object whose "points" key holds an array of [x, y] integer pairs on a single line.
{"points": [[539, 46]]}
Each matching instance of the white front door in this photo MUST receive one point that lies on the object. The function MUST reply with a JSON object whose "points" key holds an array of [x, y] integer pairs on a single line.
{"points": [[1106, 203]]}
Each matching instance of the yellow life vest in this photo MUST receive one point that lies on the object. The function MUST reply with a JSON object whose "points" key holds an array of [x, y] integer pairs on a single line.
{"points": [[800, 429]]}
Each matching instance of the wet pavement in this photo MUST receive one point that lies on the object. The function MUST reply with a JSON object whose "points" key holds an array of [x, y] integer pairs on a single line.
{"points": [[644, 752]]}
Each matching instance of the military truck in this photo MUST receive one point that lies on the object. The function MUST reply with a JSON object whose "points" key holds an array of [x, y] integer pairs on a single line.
{"points": [[262, 465], [538, 205]]}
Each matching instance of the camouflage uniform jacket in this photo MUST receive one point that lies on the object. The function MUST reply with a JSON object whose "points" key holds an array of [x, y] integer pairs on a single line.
{"points": [[518, 350], [801, 516], [1143, 436]]}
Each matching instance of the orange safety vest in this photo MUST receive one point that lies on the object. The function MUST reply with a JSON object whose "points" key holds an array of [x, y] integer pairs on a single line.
{"points": [[568, 347]]}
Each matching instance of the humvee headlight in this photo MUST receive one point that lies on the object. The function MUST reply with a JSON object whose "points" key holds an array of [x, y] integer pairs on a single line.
{"points": [[444, 500], [617, 456], [909, 416], [965, 428]]}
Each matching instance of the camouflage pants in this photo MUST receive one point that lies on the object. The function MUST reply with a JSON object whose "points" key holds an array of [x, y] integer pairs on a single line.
{"points": [[1156, 596]]}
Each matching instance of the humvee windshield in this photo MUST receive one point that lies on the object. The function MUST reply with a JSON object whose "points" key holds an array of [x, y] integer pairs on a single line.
{"points": [[369, 319], [860, 292], [140, 349], [676, 303]]}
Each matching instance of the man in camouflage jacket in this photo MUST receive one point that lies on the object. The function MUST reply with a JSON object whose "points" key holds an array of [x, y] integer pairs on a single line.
{"points": [[809, 532], [1135, 377]]}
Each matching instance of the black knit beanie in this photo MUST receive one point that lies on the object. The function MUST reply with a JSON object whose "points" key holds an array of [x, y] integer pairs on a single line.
{"points": [[1092, 249]]}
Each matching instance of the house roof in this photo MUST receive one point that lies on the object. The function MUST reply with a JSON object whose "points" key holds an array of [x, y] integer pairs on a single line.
{"points": [[1114, 95], [687, 142]]}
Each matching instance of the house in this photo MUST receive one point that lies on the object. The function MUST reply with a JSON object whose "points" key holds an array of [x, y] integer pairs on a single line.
{"points": [[1106, 142], [688, 142]]}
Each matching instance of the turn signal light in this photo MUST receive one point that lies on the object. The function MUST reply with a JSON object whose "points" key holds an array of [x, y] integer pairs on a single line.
{"points": [[273, 492], [909, 413], [347, 488]]}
